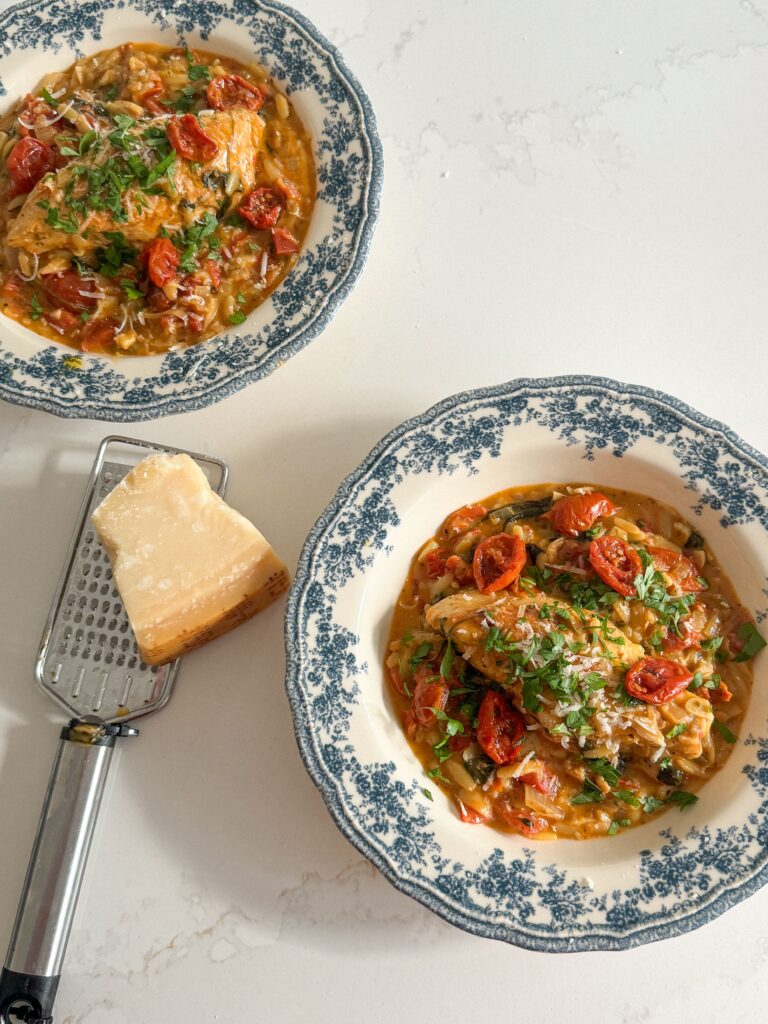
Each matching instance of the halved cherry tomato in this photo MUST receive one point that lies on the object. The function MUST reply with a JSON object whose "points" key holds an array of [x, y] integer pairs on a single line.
{"points": [[498, 561], [67, 288], [688, 636], [187, 137], [459, 522], [162, 259], [458, 743], [468, 814], [461, 571], [541, 777], [61, 320], [525, 821], [720, 695], [500, 728], [616, 563], [283, 242], [656, 680], [578, 512], [262, 207], [98, 335], [434, 563], [427, 696], [213, 270], [29, 160], [148, 98], [233, 91], [683, 571]]}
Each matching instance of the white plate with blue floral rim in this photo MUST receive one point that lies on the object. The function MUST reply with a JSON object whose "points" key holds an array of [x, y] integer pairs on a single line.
{"points": [[648, 883], [40, 35]]}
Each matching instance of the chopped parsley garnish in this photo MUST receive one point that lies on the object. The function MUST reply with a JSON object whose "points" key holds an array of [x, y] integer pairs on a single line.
{"points": [[752, 642], [724, 731], [115, 255], [237, 317], [197, 71], [682, 799], [590, 794], [185, 100], [618, 823], [712, 644], [453, 727], [420, 654], [626, 797], [676, 730], [189, 241], [50, 99], [427, 793], [35, 308], [652, 591], [651, 804], [54, 219], [85, 316], [665, 762], [130, 291], [603, 767]]}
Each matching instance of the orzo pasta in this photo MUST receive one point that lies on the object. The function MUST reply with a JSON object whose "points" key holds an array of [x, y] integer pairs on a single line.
{"points": [[569, 661], [150, 197]]}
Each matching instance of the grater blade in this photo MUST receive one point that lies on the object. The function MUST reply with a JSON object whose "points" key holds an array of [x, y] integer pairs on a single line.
{"points": [[88, 661]]}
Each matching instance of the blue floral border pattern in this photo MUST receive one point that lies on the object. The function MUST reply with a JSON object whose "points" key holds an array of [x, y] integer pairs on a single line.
{"points": [[350, 166], [684, 882]]}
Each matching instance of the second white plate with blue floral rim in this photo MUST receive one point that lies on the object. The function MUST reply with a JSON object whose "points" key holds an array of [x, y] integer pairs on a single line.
{"points": [[648, 883], [40, 35]]}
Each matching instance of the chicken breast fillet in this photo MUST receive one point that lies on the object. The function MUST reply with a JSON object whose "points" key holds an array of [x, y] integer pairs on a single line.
{"points": [[187, 193]]}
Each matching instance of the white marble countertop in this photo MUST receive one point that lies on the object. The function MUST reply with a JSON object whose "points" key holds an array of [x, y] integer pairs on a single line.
{"points": [[569, 187]]}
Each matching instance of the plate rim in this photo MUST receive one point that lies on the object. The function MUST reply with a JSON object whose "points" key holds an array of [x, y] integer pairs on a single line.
{"points": [[300, 338], [507, 932]]}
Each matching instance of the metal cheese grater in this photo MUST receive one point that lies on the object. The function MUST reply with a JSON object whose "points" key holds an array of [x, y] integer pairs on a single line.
{"points": [[89, 664]]}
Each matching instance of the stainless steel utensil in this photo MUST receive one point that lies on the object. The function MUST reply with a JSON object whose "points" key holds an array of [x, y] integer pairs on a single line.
{"points": [[89, 664]]}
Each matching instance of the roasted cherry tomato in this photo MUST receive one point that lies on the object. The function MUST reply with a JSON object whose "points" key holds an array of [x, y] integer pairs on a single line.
{"points": [[576, 513], [616, 563], [283, 242], [468, 815], [681, 569], [459, 522], [520, 818], [67, 288], [500, 728], [162, 259], [149, 98], [187, 137], [427, 696], [213, 270], [98, 335], [541, 777], [262, 207], [435, 563], [233, 91], [62, 321], [498, 561], [656, 680], [29, 160]]}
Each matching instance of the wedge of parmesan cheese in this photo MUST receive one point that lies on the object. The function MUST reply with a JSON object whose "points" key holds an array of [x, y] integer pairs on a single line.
{"points": [[187, 566]]}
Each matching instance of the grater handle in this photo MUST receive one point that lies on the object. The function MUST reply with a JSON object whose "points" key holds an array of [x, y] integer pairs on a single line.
{"points": [[39, 939]]}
